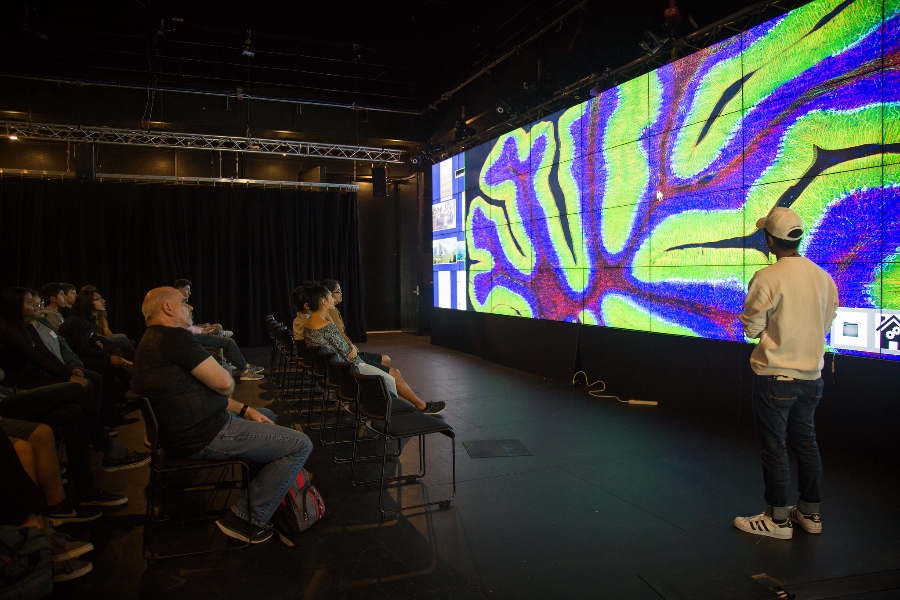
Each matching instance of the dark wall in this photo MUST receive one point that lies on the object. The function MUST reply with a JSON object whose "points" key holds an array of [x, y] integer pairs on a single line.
{"points": [[710, 379], [379, 250], [392, 234]]}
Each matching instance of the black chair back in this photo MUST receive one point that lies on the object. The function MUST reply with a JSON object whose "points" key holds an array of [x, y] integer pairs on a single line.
{"points": [[374, 398]]}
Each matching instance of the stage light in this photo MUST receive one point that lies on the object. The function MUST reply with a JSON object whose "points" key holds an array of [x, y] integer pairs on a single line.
{"points": [[463, 131], [653, 45], [248, 49], [503, 108]]}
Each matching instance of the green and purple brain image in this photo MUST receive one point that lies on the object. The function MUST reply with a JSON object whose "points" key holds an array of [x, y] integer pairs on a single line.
{"points": [[637, 209]]}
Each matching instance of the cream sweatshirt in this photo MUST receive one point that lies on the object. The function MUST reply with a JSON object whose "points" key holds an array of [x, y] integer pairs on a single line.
{"points": [[790, 307]]}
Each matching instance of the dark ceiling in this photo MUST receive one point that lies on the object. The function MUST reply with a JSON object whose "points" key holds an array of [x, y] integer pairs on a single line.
{"points": [[379, 73]]}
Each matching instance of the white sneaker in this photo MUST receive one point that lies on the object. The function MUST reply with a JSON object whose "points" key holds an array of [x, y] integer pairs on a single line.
{"points": [[763, 525], [226, 333], [255, 369], [249, 375], [811, 523]]}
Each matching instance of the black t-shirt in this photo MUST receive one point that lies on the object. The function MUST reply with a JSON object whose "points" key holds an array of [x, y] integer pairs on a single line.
{"points": [[189, 413]]}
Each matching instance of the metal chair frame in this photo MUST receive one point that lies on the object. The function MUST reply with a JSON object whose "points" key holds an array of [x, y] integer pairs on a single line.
{"points": [[161, 466], [374, 404]]}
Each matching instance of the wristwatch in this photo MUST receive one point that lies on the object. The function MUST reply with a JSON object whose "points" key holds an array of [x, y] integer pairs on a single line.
{"points": [[243, 410]]}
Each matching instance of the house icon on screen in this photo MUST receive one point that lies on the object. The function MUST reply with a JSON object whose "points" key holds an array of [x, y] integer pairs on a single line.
{"points": [[889, 329]]}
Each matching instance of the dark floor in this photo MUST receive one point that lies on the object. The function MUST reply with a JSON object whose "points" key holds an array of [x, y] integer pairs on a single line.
{"points": [[610, 493]]}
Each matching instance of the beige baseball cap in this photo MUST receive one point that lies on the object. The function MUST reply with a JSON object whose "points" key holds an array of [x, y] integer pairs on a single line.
{"points": [[782, 223]]}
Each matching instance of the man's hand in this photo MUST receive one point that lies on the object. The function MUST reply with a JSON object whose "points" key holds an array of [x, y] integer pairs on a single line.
{"points": [[116, 361], [251, 414], [78, 372], [80, 381]]}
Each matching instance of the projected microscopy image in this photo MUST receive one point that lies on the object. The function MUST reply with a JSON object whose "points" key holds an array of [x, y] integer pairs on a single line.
{"points": [[844, 213], [829, 129], [637, 208], [704, 86], [787, 57]]}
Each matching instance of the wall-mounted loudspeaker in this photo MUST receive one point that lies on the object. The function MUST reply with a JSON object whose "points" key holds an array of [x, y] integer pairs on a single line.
{"points": [[85, 161], [379, 182]]}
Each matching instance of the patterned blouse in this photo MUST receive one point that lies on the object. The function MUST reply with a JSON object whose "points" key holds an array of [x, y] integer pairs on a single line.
{"points": [[329, 337]]}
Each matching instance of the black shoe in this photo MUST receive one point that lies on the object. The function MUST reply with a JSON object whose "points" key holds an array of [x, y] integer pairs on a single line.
{"points": [[433, 408], [74, 514], [97, 496], [130, 460], [236, 527], [68, 570], [64, 548]]}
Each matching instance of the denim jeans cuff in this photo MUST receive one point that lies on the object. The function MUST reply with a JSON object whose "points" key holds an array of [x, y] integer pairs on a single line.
{"points": [[244, 516], [808, 508], [777, 513]]}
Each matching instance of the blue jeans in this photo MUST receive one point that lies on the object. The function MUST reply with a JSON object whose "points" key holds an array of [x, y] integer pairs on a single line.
{"points": [[281, 449], [785, 410], [232, 352]]}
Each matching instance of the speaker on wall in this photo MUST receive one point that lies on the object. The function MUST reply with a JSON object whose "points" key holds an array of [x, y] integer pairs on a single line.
{"points": [[85, 161], [379, 182]]}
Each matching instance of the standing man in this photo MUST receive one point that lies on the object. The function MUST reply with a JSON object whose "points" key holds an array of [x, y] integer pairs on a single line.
{"points": [[790, 306], [190, 394]]}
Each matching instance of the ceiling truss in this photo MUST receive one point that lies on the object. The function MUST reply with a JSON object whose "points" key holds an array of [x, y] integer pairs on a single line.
{"points": [[192, 141]]}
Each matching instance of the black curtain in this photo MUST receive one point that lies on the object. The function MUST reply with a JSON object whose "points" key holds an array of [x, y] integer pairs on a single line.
{"points": [[243, 248]]}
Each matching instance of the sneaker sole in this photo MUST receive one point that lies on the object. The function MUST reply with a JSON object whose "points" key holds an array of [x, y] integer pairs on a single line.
{"points": [[74, 574], [125, 467], [117, 502], [772, 534], [252, 378], [241, 536], [75, 553], [57, 521]]}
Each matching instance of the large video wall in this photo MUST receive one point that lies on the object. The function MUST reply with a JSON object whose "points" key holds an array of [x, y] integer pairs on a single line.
{"points": [[637, 208]]}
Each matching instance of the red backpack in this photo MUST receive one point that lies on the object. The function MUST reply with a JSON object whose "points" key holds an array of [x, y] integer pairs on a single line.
{"points": [[299, 510]]}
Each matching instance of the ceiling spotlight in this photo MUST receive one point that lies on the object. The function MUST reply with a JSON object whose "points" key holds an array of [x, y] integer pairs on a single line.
{"points": [[11, 135], [248, 50], [463, 131], [503, 108], [653, 45]]}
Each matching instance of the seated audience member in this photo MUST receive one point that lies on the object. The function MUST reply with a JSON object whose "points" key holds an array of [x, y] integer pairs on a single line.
{"points": [[380, 361], [54, 297], [184, 286], [298, 299], [321, 331], [20, 503], [71, 292], [190, 395], [26, 360], [246, 371], [80, 331], [67, 408], [60, 348], [113, 343], [42, 454]]}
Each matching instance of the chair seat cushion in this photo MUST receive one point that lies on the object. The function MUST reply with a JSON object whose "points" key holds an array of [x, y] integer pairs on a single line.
{"points": [[408, 425]]}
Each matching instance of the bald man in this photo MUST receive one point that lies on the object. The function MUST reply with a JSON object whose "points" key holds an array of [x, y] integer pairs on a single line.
{"points": [[190, 394]]}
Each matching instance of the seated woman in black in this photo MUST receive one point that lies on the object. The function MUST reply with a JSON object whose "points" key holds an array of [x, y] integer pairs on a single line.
{"points": [[80, 331]]}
